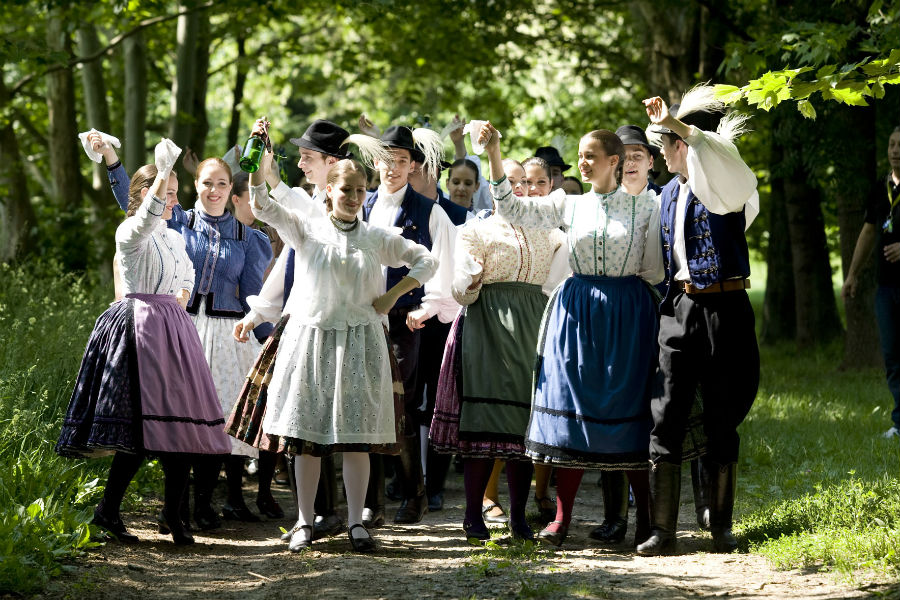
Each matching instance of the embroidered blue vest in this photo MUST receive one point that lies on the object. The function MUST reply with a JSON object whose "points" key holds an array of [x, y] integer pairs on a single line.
{"points": [[413, 218], [715, 245]]}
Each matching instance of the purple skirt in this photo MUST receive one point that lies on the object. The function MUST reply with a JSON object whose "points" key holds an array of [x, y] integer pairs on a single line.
{"points": [[144, 385], [444, 432]]}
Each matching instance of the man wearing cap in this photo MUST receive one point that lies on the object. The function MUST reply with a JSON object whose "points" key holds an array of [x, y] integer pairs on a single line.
{"points": [[706, 333], [557, 165], [320, 147], [639, 157], [397, 206]]}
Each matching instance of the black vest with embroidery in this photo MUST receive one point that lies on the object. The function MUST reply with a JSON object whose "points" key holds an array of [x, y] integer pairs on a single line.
{"points": [[413, 217], [714, 245]]}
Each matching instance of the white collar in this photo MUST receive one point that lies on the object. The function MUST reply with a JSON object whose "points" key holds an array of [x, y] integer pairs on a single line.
{"points": [[390, 199]]}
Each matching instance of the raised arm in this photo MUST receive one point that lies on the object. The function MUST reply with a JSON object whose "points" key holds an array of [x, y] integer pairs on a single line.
{"points": [[289, 224]]}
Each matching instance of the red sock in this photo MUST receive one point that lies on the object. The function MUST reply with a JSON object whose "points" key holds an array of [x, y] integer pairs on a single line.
{"points": [[567, 482]]}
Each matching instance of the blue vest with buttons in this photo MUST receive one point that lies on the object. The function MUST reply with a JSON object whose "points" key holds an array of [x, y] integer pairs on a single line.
{"points": [[413, 218], [715, 245]]}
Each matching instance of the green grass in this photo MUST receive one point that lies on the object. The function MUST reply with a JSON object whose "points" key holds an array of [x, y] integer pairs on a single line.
{"points": [[46, 502], [818, 486]]}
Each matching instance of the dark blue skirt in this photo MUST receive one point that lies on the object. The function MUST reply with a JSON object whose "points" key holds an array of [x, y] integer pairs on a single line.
{"points": [[596, 359], [104, 413]]}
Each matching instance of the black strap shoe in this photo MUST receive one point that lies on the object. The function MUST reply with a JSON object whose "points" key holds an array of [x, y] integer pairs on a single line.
{"points": [[361, 544]]}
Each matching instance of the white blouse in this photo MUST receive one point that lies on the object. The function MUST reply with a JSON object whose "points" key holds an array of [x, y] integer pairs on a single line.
{"points": [[508, 253], [613, 234], [151, 257], [267, 305], [338, 273]]}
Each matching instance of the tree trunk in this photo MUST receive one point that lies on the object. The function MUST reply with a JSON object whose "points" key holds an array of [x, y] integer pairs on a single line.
{"points": [[63, 146], [182, 100], [16, 213], [779, 320], [200, 127], [240, 78], [861, 347], [135, 58], [816, 308], [96, 107], [671, 38]]}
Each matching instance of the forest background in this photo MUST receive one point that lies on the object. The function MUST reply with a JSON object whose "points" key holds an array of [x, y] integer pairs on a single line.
{"points": [[544, 72], [817, 79]]}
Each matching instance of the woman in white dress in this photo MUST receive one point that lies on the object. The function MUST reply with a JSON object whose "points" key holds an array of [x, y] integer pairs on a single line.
{"points": [[331, 388]]}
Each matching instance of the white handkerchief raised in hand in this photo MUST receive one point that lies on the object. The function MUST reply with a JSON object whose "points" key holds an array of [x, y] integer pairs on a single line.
{"points": [[166, 153], [86, 144], [473, 128]]}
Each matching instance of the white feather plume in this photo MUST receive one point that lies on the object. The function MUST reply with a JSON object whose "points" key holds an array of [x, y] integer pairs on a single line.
{"points": [[431, 145], [733, 125], [700, 98], [369, 148]]}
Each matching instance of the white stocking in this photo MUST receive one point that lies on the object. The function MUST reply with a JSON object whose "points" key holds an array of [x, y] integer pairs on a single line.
{"points": [[356, 480], [306, 471]]}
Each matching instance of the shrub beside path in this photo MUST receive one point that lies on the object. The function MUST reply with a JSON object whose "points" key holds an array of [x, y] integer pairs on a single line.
{"points": [[431, 560]]}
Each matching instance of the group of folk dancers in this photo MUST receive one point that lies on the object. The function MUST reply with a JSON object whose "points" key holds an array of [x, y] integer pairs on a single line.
{"points": [[531, 323]]}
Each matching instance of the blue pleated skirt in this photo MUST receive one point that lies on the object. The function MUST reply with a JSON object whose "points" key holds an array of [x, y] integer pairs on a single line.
{"points": [[597, 354]]}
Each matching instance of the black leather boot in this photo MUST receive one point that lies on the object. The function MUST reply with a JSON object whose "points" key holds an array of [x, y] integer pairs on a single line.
{"points": [[665, 495], [700, 483], [615, 508], [723, 479], [415, 503]]}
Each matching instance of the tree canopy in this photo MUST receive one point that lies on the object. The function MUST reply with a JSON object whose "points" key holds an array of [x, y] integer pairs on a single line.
{"points": [[543, 72]]}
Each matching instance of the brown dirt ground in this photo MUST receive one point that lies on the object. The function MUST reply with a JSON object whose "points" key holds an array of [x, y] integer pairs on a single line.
{"points": [[430, 560]]}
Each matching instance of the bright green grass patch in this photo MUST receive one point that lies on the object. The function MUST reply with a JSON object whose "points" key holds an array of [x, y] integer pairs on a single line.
{"points": [[818, 485], [46, 502]]}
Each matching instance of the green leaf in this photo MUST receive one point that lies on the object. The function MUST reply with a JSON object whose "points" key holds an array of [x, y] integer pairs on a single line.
{"points": [[807, 109], [825, 71], [849, 96], [729, 94]]}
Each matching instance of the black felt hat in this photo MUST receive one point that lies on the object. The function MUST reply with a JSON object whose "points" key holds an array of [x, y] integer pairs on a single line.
{"points": [[551, 155], [634, 135], [325, 137], [400, 136]]}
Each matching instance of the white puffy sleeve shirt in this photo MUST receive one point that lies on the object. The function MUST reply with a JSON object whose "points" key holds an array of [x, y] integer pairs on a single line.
{"points": [[718, 175], [338, 274], [267, 305], [613, 234], [152, 258]]}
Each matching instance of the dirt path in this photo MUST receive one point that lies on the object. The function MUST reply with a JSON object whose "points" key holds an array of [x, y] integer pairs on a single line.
{"points": [[429, 560]]}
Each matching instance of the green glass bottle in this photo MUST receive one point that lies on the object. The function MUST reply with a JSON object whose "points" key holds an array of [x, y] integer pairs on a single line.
{"points": [[252, 153]]}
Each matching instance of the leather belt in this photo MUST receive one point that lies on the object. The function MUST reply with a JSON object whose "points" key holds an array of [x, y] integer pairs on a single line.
{"points": [[729, 285]]}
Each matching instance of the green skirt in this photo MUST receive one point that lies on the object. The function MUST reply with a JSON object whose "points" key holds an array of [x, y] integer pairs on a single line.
{"points": [[499, 341]]}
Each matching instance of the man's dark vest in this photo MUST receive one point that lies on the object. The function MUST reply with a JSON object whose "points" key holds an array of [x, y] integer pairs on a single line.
{"points": [[715, 245], [413, 218]]}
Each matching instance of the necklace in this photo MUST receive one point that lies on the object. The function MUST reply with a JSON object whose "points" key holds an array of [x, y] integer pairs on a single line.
{"points": [[344, 225]]}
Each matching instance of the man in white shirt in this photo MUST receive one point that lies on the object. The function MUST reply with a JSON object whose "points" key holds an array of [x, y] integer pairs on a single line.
{"points": [[396, 206], [706, 336]]}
